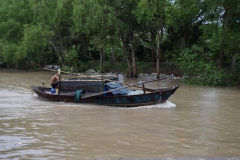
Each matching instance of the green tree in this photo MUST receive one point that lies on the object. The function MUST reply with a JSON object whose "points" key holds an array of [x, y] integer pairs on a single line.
{"points": [[130, 25], [94, 19], [34, 46], [223, 17], [13, 15], [55, 17], [153, 13]]}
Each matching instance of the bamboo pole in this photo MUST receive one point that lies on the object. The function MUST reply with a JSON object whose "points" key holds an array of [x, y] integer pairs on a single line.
{"points": [[82, 75]]}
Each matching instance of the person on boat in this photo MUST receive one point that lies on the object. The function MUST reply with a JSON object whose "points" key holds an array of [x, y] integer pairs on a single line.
{"points": [[54, 80]]}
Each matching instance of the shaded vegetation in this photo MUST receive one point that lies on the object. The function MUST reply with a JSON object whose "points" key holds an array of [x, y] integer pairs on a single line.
{"points": [[201, 39]]}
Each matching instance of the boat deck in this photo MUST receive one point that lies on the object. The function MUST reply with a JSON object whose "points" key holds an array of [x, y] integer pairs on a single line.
{"points": [[67, 93]]}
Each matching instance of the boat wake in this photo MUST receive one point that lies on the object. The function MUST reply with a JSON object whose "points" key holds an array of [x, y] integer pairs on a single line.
{"points": [[167, 104]]}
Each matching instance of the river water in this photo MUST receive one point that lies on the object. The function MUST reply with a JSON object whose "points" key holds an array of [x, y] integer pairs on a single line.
{"points": [[197, 121]]}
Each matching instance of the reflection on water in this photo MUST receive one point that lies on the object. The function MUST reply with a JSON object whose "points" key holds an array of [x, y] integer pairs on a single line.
{"points": [[196, 121]]}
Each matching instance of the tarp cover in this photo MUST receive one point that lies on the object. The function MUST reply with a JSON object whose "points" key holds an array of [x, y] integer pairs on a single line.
{"points": [[111, 86], [77, 95]]}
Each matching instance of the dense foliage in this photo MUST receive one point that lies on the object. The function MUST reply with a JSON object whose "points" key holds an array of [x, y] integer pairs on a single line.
{"points": [[201, 36]]}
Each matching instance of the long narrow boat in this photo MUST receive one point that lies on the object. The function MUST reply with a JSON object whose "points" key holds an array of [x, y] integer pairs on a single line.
{"points": [[114, 95]]}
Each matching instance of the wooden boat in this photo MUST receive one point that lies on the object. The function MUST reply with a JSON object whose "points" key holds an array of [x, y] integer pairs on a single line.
{"points": [[114, 95]]}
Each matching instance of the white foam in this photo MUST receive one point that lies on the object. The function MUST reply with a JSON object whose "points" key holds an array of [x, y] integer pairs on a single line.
{"points": [[167, 104]]}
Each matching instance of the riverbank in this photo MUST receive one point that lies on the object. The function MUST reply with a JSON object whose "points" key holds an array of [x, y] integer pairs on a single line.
{"points": [[142, 68], [120, 68]]}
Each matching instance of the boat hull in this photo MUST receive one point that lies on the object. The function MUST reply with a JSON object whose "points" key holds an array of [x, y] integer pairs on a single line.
{"points": [[158, 96]]}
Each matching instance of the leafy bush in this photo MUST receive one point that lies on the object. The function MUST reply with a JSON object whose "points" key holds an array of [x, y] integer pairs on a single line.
{"points": [[143, 65], [198, 68], [82, 67]]}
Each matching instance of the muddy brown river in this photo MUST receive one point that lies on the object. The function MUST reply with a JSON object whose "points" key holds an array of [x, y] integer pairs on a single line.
{"points": [[197, 121]]}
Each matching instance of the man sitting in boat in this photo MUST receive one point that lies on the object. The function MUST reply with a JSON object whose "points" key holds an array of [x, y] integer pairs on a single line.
{"points": [[54, 80]]}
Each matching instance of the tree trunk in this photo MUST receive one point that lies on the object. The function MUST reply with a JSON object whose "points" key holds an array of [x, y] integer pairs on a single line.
{"points": [[158, 58], [85, 45], [76, 69], [159, 41], [153, 43], [126, 53], [134, 65]]}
